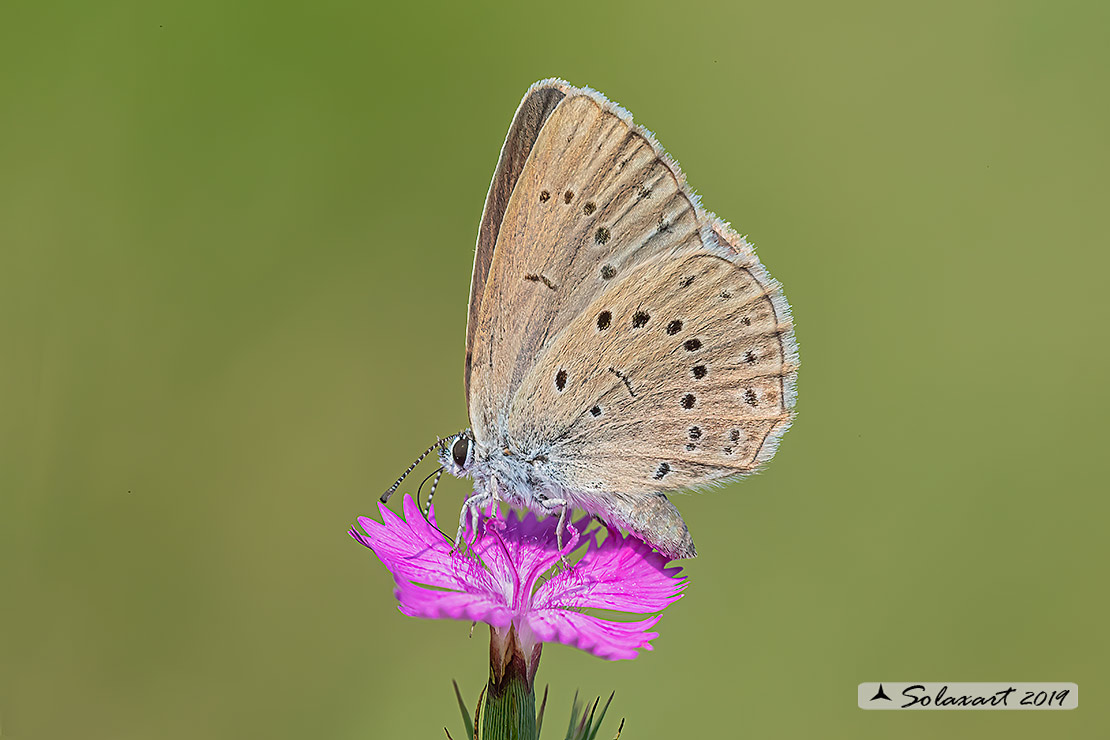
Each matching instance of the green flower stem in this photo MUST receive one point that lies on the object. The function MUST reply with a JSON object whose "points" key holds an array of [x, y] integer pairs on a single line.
{"points": [[512, 714], [510, 706]]}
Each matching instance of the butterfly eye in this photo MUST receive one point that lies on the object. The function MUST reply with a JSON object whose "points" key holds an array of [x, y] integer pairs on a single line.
{"points": [[461, 451]]}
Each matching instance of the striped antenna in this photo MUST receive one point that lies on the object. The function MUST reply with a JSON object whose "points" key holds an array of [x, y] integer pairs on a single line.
{"points": [[385, 496], [424, 482], [432, 493]]}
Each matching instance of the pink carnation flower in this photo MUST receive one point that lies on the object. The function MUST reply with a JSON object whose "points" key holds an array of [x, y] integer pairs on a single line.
{"points": [[496, 582]]}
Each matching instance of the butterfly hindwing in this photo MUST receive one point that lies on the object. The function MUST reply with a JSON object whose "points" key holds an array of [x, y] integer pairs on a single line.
{"points": [[678, 376]]}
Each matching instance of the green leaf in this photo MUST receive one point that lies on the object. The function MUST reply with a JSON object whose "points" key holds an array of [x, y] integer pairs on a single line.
{"points": [[573, 717], [585, 725], [539, 717], [587, 720], [478, 711], [465, 714], [601, 717]]}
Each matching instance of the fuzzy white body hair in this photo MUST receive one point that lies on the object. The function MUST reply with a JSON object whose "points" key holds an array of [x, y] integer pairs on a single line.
{"points": [[514, 480]]}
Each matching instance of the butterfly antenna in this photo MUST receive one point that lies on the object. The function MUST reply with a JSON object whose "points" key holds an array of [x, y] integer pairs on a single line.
{"points": [[385, 496], [431, 493], [421, 487]]}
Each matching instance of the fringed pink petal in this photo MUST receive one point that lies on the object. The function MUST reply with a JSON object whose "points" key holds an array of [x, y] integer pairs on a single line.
{"points": [[412, 549], [544, 552], [622, 574], [600, 637], [417, 601], [495, 581]]}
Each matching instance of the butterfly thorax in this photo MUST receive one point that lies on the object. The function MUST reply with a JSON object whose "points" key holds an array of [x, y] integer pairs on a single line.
{"points": [[511, 475]]}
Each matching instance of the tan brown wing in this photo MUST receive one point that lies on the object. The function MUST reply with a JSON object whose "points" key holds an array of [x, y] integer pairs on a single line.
{"points": [[595, 200], [626, 340], [530, 117], [681, 375]]}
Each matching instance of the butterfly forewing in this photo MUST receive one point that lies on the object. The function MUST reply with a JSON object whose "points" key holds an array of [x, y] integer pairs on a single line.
{"points": [[593, 201], [527, 123]]}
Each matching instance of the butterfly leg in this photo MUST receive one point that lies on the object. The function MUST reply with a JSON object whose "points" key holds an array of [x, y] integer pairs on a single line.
{"points": [[551, 505], [559, 530], [473, 506], [475, 513], [462, 526], [468, 507]]}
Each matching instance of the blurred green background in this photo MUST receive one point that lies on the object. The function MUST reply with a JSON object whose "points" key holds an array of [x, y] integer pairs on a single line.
{"points": [[235, 251]]}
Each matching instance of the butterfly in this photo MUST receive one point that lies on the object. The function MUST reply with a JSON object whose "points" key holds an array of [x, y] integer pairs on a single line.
{"points": [[621, 342]]}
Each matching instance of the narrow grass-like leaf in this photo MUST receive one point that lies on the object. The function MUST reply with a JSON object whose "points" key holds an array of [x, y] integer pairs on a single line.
{"points": [[587, 720], [573, 717], [539, 716], [478, 711], [448, 734], [465, 714], [619, 729], [601, 717]]}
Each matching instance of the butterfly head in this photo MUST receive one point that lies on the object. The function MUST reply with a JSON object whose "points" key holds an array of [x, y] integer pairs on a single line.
{"points": [[456, 457], [457, 454]]}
